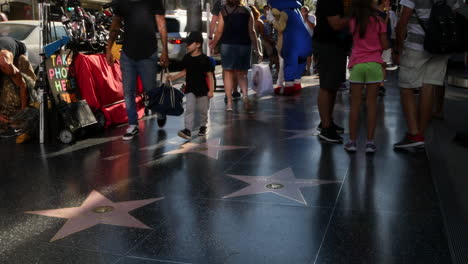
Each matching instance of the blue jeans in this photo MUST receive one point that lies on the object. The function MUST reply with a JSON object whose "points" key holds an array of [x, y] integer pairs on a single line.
{"points": [[147, 70]]}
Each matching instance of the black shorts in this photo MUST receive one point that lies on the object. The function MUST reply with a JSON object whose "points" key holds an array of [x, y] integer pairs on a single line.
{"points": [[331, 64]]}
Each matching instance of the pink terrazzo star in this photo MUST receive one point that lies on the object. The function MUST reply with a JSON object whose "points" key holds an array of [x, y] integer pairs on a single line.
{"points": [[96, 209]]}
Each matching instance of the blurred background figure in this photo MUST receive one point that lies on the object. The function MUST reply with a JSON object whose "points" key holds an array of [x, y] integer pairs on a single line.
{"points": [[236, 33], [309, 22]]}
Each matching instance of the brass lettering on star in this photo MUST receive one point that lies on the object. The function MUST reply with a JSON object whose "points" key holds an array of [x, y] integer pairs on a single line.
{"points": [[103, 209], [275, 186]]}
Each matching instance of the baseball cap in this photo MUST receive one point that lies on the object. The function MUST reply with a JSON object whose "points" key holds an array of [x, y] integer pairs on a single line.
{"points": [[194, 36]]}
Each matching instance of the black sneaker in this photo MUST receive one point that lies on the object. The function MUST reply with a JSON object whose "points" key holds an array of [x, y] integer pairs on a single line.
{"points": [[330, 135], [203, 131], [11, 132], [162, 120], [185, 133], [236, 95], [382, 91], [337, 128], [130, 133]]}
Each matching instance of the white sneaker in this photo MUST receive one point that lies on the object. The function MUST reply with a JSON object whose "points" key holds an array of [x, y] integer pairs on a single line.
{"points": [[132, 130]]}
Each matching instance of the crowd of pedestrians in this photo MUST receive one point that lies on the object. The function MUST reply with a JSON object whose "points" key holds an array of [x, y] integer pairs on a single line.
{"points": [[363, 37], [359, 37]]}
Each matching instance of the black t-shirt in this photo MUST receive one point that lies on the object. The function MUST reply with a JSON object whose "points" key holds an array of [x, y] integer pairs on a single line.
{"points": [[139, 26], [323, 32], [197, 69], [236, 25], [16, 47]]}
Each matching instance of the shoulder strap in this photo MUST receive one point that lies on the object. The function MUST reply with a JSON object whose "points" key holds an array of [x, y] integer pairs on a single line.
{"points": [[228, 15]]}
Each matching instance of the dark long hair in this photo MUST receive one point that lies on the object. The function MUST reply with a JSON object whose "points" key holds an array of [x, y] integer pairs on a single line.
{"points": [[362, 11]]}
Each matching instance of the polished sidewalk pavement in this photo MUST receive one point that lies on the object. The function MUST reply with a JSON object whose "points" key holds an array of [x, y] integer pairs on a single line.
{"points": [[261, 188]]}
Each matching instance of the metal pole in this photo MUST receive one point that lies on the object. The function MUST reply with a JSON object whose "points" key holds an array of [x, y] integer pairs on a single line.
{"points": [[208, 25], [33, 8], [42, 101]]}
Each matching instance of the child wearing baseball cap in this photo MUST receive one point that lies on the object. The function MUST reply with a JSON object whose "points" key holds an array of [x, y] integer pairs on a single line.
{"points": [[198, 70]]}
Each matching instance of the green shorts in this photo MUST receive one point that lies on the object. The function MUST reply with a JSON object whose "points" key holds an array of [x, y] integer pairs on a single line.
{"points": [[369, 72]]}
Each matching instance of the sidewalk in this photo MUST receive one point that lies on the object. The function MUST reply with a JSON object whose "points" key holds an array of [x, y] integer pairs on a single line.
{"points": [[261, 188], [449, 168]]}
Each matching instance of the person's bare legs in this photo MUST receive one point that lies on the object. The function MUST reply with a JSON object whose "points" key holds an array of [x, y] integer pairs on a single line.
{"points": [[425, 107], [228, 78], [356, 95], [372, 90], [242, 81], [439, 98], [309, 63], [326, 101], [384, 71], [331, 104], [408, 102]]}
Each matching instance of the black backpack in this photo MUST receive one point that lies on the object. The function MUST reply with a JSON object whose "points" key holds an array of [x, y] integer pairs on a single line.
{"points": [[462, 22], [443, 35]]}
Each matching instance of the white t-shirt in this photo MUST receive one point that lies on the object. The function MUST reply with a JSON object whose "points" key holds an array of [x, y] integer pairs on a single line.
{"points": [[312, 20]]}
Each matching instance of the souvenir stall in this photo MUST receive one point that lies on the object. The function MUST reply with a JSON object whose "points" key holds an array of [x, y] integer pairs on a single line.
{"points": [[85, 90]]}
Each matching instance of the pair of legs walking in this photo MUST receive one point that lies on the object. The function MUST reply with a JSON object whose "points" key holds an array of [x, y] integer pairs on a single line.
{"points": [[131, 69], [419, 69], [331, 65], [233, 78], [195, 105], [367, 75]]}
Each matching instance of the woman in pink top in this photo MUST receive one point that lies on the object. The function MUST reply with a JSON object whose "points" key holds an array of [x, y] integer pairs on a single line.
{"points": [[365, 63]]}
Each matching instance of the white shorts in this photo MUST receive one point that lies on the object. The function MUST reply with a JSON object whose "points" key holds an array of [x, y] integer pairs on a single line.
{"points": [[419, 67]]}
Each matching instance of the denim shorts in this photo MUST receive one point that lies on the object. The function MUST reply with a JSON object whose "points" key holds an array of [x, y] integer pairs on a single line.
{"points": [[235, 57]]}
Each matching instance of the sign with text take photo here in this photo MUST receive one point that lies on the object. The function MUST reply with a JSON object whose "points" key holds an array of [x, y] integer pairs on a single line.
{"points": [[57, 70]]}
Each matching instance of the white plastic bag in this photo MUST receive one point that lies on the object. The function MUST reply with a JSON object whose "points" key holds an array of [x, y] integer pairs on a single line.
{"points": [[261, 81]]}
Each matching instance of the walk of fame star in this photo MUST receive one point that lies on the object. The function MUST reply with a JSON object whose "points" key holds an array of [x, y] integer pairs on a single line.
{"points": [[283, 183], [302, 133], [96, 209], [211, 148]]}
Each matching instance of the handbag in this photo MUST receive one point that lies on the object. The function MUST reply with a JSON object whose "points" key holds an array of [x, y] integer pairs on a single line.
{"points": [[166, 99], [262, 81]]}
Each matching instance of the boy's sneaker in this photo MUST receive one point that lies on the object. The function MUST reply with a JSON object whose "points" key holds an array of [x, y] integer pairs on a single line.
{"points": [[162, 120], [132, 130], [410, 141], [203, 131], [337, 128], [330, 135], [370, 147], [185, 133], [350, 146]]}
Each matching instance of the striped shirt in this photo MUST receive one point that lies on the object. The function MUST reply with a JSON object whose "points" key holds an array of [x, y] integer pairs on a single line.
{"points": [[415, 36]]}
